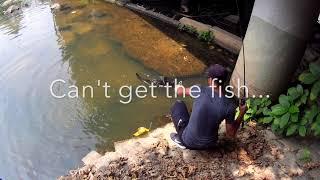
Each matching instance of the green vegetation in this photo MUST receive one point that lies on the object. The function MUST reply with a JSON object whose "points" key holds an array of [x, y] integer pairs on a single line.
{"points": [[297, 112], [187, 28], [285, 117], [206, 36], [306, 155], [312, 78], [257, 109]]}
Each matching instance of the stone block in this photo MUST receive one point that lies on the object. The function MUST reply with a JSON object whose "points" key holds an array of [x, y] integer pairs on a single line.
{"points": [[91, 158], [223, 38]]}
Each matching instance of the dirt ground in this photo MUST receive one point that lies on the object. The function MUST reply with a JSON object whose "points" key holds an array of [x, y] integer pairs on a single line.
{"points": [[255, 154]]}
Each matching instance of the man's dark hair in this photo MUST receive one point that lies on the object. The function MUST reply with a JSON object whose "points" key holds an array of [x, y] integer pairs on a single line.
{"points": [[217, 71]]}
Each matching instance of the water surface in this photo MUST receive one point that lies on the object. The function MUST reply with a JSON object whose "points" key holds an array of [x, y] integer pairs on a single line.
{"points": [[43, 137]]}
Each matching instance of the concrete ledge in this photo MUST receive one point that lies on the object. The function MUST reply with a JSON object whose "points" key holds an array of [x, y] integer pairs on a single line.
{"points": [[152, 14], [223, 38]]}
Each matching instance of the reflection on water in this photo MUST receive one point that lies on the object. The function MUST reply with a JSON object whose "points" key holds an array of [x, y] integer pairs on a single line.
{"points": [[42, 137]]}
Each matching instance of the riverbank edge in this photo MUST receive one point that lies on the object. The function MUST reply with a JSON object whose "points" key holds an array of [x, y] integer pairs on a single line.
{"points": [[257, 153], [226, 40]]}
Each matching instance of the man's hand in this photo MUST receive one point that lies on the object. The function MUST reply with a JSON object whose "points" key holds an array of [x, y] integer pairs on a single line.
{"points": [[243, 109], [233, 128], [181, 90]]}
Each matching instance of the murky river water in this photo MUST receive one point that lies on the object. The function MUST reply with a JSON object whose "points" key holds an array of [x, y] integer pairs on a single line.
{"points": [[43, 137]]}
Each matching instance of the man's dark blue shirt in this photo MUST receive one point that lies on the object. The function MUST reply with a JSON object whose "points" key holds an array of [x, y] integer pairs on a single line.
{"points": [[208, 111]]}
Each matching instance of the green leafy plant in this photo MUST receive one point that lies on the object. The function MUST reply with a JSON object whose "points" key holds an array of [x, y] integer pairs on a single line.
{"points": [[298, 112], [257, 109], [312, 118], [312, 78], [285, 116], [206, 36], [306, 155], [187, 28]]}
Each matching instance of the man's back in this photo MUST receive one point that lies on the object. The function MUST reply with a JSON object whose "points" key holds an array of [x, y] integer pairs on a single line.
{"points": [[207, 113]]}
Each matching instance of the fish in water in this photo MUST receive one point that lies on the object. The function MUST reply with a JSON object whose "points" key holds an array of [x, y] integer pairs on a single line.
{"points": [[160, 81]]}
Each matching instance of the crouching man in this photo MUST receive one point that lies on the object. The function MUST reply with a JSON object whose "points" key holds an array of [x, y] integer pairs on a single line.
{"points": [[200, 129]]}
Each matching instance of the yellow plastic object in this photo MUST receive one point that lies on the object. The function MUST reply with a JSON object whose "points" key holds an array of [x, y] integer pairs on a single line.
{"points": [[140, 131]]}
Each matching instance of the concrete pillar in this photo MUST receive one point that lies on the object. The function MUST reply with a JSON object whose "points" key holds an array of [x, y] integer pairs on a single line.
{"points": [[274, 44]]}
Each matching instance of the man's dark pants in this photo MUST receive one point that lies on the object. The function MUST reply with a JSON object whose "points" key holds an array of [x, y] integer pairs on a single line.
{"points": [[180, 117]]}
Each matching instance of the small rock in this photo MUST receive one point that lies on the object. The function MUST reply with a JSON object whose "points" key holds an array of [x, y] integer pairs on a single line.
{"points": [[55, 6], [252, 124], [244, 157], [111, 1], [25, 4], [12, 9], [153, 173], [234, 169], [90, 158], [222, 128], [122, 2], [140, 163], [183, 45], [211, 47], [276, 153], [241, 173], [92, 177], [267, 173], [162, 148], [10, 2], [250, 169]]}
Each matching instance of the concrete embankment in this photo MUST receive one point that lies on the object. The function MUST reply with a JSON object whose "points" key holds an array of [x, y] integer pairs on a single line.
{"points": [[255, 154]]}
